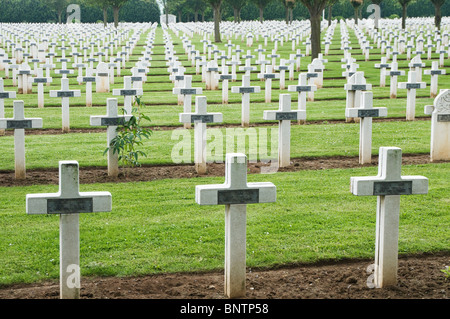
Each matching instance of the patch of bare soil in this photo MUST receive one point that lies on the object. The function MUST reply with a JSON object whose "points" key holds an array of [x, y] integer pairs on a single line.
{"points": [[419, 277], [154, 172]]}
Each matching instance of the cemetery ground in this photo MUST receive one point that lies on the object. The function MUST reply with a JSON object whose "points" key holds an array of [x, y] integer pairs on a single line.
{"points": [[316, 241]]}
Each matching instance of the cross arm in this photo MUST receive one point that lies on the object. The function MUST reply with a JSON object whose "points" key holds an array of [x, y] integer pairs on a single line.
{"points": [[284, 115], [378, 186], [221, 194]]}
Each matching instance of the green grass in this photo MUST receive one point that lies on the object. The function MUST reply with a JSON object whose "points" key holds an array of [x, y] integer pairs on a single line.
{"points": [[157, 227], [172, 146]]}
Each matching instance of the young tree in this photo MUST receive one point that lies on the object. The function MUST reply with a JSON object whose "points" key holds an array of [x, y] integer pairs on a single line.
{"points": [[315, 8], [261, 4], [404, 4], [289, 7], [216, 4], [437, 12], [195, 6]]}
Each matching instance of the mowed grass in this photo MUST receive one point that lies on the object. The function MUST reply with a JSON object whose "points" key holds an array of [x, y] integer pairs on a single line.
{"points": [[177, 146], [157, 227]]}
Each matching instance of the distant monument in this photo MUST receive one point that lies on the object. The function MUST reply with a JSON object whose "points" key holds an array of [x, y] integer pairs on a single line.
{"points": [[171, 18]]}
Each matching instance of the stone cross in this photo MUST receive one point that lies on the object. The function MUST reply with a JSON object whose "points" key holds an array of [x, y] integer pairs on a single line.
{"points": [[284, 115], [366, 112], [186, 92], [112, 120], [388, 186], [128, 92], [48, 66], [235, 194], [225, 77], [69, 202], [88, 79], [382, 66], [434, 73], [19, 123], [4, 95], [200, 117], [355, 84], [245, 90], [40, 80], [411, 87], [268, 76], [302, 88], [65, 94], [234, 62], [440, 126], [282, 68], [394, 73], [247, 67]]}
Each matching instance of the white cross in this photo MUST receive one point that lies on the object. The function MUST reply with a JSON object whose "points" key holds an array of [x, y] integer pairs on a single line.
{"points": [[311, 75], [382, 66], [64, 71], [366, 112], [282, 68], [225, 77], [88, 79], [69, 202], [262, 61], [440, 126], [200, 117], [65, 94], [394, 73], [268, 76], [298, 55], [355, 84], [388, 185], [40, 80], [302, 88], [234, 62], [434, 73], [235, 194], [4, 95], [186, 92], [318, 66], [411, 87], [19, 123], [284, 115], [128, 92], [112, 120], [248, 67], [245, 90]]}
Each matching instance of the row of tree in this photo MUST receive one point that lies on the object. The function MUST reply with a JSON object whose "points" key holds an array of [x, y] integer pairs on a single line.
{"points": [[91, 11]]}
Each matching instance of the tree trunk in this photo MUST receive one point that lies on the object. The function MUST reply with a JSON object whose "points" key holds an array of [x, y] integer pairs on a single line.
{"points": [[196, 15], [404, 17], [105, 17], [167, 15], [179, 16], [261, 13], [287, 15], [60, 17], [203, 16], [315, 35], [291, 15], [329, 15], [437, 17], [235, 13], [356, 16], [217, 24], [116, 16]]}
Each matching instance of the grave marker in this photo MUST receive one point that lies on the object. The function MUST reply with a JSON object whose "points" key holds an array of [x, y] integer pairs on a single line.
{"points": [[200, 117], [65, 94], [245, 90], [69, 202], [440, 126], [4, 95], [128, 92], [302, 88], [186, 92], [388, 186], [235, 194], [411, 87], [434, 73]]}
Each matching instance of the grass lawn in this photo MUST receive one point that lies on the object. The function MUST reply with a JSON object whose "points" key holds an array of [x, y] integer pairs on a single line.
{"points": [[157, 227]]}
